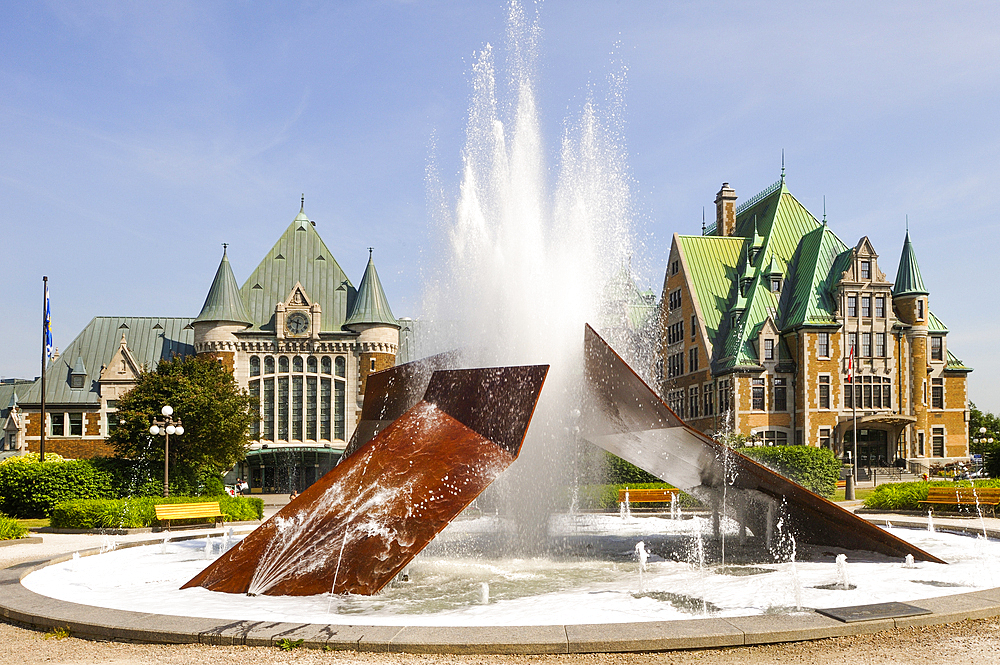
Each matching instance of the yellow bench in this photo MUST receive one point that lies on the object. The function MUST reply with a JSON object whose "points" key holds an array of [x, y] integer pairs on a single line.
{"points": [[647, 496], [963, 496], [167, 512]]}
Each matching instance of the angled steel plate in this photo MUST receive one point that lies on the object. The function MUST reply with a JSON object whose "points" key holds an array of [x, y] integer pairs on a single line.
{"points": [[625, 416], [358, 526]]}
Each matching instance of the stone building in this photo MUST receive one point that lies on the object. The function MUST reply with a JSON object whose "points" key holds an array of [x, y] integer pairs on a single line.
{"points": [[759, 316], [297, 335]]}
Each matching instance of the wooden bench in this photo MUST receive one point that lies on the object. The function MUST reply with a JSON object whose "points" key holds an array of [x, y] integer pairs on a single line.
{"points": [[648, 496], [167, 512], [963, 496]]}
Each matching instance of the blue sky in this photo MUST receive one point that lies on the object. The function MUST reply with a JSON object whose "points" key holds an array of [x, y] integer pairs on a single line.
{"points": [[135, 138]]}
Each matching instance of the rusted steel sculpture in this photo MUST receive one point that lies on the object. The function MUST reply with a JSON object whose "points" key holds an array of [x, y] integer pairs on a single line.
{"points": [[358, 526], [625, 416]]}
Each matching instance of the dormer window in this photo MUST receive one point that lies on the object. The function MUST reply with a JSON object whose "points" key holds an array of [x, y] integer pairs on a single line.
{"points": [[76, 381], [866, 269], [775, 284], [768, 349]]}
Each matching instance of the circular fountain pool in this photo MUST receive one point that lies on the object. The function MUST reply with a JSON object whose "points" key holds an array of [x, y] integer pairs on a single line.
{"points": [[590, 574]]}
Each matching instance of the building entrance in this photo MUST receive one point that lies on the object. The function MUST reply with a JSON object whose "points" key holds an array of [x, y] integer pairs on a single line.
{"points": [[873, 446]]}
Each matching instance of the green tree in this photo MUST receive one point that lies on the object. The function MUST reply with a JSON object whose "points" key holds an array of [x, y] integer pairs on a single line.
{"points": [[215, 412], [978, 419]]}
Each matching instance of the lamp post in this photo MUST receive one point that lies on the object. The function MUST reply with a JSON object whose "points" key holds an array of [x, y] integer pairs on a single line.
{"points": [[167, 426]]}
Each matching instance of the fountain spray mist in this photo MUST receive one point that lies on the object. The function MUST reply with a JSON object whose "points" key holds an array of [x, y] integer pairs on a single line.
{"points": [[531, 253]]}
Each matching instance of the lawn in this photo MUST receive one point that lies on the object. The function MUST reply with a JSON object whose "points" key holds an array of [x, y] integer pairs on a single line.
{"points": [[35, 523]]}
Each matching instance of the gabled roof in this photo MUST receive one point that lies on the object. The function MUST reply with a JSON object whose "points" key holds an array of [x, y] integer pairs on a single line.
{"points": [[711, 263], [371, 305], [935, 325], [908, 279], [149, 340], [224, 302], [816, 267], [299, 255]]}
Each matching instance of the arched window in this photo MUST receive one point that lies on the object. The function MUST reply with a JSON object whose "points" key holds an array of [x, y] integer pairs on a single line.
{"points": [[297, 364], [341, 366], [283, 364], [254, 365], [311, 364], [268, 364], [327, 365]]}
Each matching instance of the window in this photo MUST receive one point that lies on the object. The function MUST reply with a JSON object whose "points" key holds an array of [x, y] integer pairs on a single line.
{"points": [[867, 385], [112, 404], [327, 365], [267, 405], [848, 396], [937, 393], [866, 306], [937, 442], [880, 306], [675, 365], [76, 424], [311, 408], [283, 364], [342, 366], [876, 392], [111, 423], [768, 349], [824, 438], [76, 380], [780, 395], [297, 364], [324, 408], [372, 364], [775, 284], [886, 393], [852, 343], [724, 398], [852, 305], [254, 365], [297, 407], [694, 326], [920, 444], [675, 400], [57, 424], [268, 364], [920, 309], [937, 350], [774, 438], [709, 403], [675, 333], [282, 428], [254, 389], [823, 344], [311, 364], [674, 299], [693, 359], [880, 345], [757, 394], [674, 267], [693, 401], [866, 270], [866, 345], [824, 392]]}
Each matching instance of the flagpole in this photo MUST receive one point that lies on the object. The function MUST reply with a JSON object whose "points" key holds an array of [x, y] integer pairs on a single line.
{"points": [[854, 404], [45, 331]]}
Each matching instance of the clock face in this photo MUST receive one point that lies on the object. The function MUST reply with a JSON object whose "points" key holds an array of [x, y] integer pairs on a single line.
{"points": [[297, 323]]}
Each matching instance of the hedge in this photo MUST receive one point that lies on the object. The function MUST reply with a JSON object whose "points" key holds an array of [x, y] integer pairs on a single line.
{"points": [[11, 529], [605, 497], [139, 512], [32, 489], [816, 469], [907, 496]]}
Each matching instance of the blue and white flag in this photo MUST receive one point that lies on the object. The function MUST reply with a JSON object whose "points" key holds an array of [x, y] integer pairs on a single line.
{"points": [[47, 325]]}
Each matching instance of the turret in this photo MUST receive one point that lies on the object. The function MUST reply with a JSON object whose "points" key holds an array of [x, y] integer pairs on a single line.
{"points": [[222, 316], [372, 319]]}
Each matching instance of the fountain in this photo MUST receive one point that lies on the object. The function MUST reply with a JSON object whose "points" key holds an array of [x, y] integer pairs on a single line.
{"points": [[526, 269]]}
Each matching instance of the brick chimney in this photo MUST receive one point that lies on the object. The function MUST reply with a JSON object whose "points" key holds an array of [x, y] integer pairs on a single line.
{"points": [[725, 211]]}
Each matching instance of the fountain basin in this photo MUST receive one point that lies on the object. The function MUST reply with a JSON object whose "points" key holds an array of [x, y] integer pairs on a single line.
{"points": [[595, 614]]}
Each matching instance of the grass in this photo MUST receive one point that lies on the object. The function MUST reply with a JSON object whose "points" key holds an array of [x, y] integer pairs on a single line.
{"points": [[34, 523], [860, 493]]}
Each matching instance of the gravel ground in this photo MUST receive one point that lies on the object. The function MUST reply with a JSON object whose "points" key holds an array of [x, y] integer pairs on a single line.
{"points": [[974, 641]]}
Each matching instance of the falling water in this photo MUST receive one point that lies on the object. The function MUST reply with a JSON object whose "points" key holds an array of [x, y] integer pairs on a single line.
{"points": [[163, 544], [531, 252], [641, 556], [484, 593], [209, 547], [76, 561], [908, 562], [930, 521], [843, 581], [675, 513]]}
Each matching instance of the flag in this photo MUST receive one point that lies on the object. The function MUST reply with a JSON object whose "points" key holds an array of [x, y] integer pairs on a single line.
{"points": [[48, 325], [850, 366]]}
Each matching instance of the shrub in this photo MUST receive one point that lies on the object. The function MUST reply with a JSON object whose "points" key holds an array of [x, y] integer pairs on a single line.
{"points": [[605, 497], [907, 496], [816, 469], [140, 512], [11, 529], [618, 471], [32, 489]]}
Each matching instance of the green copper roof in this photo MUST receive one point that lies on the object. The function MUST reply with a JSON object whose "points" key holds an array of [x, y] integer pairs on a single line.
{"points": [[149, 339], [908, 279], [299, 256], [371, 305], [224, 302], [956, 365], [815, 270], [712, 262], [936, 325]]}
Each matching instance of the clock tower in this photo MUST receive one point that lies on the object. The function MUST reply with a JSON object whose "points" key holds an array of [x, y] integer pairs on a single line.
{"points": [[297, 317]]}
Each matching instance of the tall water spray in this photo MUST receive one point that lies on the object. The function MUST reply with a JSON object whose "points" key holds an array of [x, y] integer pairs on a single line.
{"points": [[531, 256]]}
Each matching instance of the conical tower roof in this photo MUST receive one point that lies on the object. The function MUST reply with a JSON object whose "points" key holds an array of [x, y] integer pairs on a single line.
{"points": [[224, 302], [908, 279], [371, 305]]}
